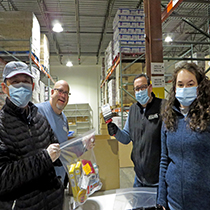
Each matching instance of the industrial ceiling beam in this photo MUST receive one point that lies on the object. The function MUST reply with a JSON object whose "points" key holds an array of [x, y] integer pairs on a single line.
{"points": [[105, 25], [139, 4], [3, 6], [12, 4], [43, 8], [76, 53], [188, 16], [186, 59], [195, 27], [78, 30], [198, 1], [169, 9], [190, 42]]}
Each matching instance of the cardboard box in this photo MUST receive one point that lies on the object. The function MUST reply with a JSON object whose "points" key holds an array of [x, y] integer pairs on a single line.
{"points": [[125, 155], [104, 131], [107, 159], [20, 25], [44, 51]]}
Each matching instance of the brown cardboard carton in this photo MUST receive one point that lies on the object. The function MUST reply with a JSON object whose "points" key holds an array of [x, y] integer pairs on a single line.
{"points": [[107, 158], [20, 25], [125, 155], [104, 131]]}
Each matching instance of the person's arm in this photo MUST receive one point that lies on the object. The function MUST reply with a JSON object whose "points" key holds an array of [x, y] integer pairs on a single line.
{"points": [[162, 189], [15, 173], [122, 136]]}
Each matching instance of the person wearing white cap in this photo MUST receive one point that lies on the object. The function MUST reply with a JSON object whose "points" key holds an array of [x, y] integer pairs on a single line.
{"points": [[29, 149]]}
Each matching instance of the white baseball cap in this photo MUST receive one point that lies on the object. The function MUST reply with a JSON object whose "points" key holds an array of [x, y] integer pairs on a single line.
{"points": [[16, 67]]}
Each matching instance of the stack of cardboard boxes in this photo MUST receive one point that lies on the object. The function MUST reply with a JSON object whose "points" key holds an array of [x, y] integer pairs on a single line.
{"points": [[2, 95], [22, 26], [128, 76], [20, 31], [128, 29]]}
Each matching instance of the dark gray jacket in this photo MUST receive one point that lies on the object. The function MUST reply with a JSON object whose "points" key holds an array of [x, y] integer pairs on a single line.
{"points": [[145, 132], [27, 173], [143, 128]]}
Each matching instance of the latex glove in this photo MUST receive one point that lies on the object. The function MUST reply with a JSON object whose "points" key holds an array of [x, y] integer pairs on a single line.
{"points": [[160, 207], [112, 129], [89, 142], [54, 151]]}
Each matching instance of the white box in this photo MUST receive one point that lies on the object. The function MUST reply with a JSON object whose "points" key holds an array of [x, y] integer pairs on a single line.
{"points": [[139, 18], [42, 91], [132, 24], [35, 46], [44, 51], [141, 37], [124, 11], [140, 12]]}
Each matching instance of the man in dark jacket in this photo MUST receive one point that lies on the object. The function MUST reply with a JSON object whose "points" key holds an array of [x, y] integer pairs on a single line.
{"points": [[142, 127], [28, 148]]}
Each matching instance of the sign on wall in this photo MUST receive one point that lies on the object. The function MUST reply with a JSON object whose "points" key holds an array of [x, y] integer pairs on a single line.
{"points": [[158, 81], [157, 68]]}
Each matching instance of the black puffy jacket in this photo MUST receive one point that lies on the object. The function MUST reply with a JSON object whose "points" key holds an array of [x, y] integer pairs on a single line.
{"points": [[27, 176]]}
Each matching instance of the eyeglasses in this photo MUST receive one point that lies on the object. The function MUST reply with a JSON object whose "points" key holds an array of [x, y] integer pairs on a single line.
{"points": [[66, 93], [143, 87]]}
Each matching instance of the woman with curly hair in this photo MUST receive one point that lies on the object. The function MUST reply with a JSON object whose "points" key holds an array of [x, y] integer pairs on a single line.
{"points": [[184, 178]]}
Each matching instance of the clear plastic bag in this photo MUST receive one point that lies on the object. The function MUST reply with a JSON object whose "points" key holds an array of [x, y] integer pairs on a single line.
{"points": [[135, 198], [78, 159]]}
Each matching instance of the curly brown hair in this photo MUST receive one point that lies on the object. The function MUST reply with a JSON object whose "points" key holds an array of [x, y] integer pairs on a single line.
{"points": [[199, 110]]}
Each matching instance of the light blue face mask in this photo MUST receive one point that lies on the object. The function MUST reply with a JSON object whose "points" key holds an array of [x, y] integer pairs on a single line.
{"points": [[186, 96], [20, 94], [142, 96]]}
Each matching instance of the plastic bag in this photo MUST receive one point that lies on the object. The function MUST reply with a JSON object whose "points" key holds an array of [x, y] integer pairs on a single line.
{"points": [[79, 161], [135, 198]]}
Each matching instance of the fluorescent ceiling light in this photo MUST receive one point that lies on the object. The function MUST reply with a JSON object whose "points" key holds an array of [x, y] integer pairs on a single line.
{"points": [[69, 64], [57, 28], [168, 39]]}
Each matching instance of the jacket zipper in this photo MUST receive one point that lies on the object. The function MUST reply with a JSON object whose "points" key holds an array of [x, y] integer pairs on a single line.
{"points": [[13, 205]]}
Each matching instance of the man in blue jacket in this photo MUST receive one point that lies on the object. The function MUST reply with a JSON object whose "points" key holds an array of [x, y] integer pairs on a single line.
{"points": [[143, 128]]}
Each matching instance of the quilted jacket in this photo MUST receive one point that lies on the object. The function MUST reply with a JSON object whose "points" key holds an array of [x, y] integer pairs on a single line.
{"points": [[27, 176]]}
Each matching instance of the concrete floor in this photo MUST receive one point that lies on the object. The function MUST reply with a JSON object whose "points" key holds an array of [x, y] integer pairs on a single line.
{"points": [[126, 181]]}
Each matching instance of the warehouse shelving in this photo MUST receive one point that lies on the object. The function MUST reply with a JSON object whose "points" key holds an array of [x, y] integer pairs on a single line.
{"points": [[25, 56], [117, 67], [79, 117], [30, 58]]}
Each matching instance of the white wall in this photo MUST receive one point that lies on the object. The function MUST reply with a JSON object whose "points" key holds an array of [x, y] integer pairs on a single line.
{"points": [[84, 82]]}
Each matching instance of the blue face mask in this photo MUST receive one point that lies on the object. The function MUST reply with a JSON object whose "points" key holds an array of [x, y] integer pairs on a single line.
{"points": [[186, 96], [20, 94], [142, 96]]}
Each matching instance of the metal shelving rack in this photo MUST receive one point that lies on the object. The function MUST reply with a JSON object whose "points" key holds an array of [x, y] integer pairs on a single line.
{"points": [[79, 117], [128, 58], [30, 58], [26, 56]]}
